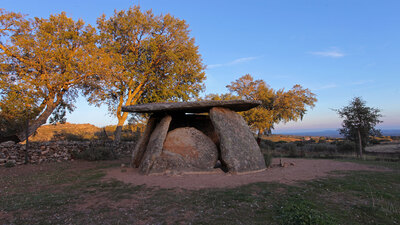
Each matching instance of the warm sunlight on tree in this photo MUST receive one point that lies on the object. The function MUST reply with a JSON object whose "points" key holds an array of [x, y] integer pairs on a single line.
{"points": [[44, 64], [277, 106], [154, 59]]}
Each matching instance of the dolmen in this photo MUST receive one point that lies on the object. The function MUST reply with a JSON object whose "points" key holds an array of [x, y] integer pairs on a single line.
{"points": [[196, 137]]}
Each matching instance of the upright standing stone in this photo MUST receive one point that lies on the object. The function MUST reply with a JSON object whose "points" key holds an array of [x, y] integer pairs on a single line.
{"points": [[138, 152], [155, 145], [239, 149]]}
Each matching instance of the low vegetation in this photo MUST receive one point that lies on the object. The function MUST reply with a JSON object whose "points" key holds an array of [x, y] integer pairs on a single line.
{"points": [[76, 193], [96, 153], [380, 148]]}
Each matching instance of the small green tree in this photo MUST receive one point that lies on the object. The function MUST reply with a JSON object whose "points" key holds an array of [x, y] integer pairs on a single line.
{"points": [[359, 122]]}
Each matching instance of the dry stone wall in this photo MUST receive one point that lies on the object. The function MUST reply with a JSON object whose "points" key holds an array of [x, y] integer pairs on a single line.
{"points": [[56, 151]]}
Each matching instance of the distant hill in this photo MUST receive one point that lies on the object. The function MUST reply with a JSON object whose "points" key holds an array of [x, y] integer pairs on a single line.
{"points": [[321, 133], [80, 132], [391, 132], [334, 133], [66, 130]]}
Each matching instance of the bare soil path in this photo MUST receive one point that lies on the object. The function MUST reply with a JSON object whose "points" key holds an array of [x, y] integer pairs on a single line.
{"points": [[293, 171]]}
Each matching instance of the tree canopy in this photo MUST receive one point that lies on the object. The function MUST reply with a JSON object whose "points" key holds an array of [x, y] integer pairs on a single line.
{"points": [[359, 122], [153, 59], [277, 105], [44, 64]]}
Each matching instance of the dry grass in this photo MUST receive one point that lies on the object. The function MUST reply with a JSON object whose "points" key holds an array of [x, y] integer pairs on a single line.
{"points": [[77, 193], [389, 147]]}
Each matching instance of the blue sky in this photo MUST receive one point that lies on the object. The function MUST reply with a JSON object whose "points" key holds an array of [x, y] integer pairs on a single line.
{"points": [[338, 49]]}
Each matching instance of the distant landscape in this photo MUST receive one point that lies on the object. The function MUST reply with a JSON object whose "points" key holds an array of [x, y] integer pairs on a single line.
{"points": [[334, 133], [89, 131]]}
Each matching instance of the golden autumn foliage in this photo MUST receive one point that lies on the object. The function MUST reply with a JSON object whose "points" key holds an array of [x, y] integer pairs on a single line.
{"points": [[44, 64], [277, 106], [153, 59], [134, 57]]}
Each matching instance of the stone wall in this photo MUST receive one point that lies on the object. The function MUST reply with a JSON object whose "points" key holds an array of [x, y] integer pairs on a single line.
{"points": [[55, 151]]}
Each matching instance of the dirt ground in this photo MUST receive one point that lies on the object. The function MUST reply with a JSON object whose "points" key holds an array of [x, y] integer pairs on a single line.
{"points": [[293, 171]]}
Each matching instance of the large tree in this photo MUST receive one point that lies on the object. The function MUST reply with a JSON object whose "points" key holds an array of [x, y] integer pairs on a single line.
{"points": [[277, 105], [359, 122], [153, 57], [44, 64]]}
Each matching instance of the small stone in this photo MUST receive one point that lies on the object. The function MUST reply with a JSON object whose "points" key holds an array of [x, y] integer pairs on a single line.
{"points": [[44, 152], [7, 144]]}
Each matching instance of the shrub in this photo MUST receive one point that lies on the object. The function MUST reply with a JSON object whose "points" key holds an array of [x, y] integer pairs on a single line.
{"points": [[267, 144], [289, 147], [268, 159], [320, 148], [374, 141], [96, 153], [9, 164], [65, 136], [299, 211], [346, 146], [299, 143], [322, 140], [324, 148]]}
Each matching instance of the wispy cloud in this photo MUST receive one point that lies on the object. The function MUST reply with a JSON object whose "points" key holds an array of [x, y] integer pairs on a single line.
{"points": [[332, 53], [328, 86], [234, 62]]}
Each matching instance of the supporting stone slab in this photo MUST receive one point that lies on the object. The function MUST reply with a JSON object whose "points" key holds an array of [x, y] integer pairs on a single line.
{"points": [[140, 148], [239, 149], [155, 144]]}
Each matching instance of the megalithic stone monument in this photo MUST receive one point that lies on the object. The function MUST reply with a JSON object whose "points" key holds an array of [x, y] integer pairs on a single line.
{"points": [[193, 136]]}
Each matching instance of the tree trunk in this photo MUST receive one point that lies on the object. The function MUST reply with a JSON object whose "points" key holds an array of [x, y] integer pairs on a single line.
{"points": [[118, 130], [269, 131], [259, 137], [359, 143], [35, 124], [27, 141], [117, 133]]}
